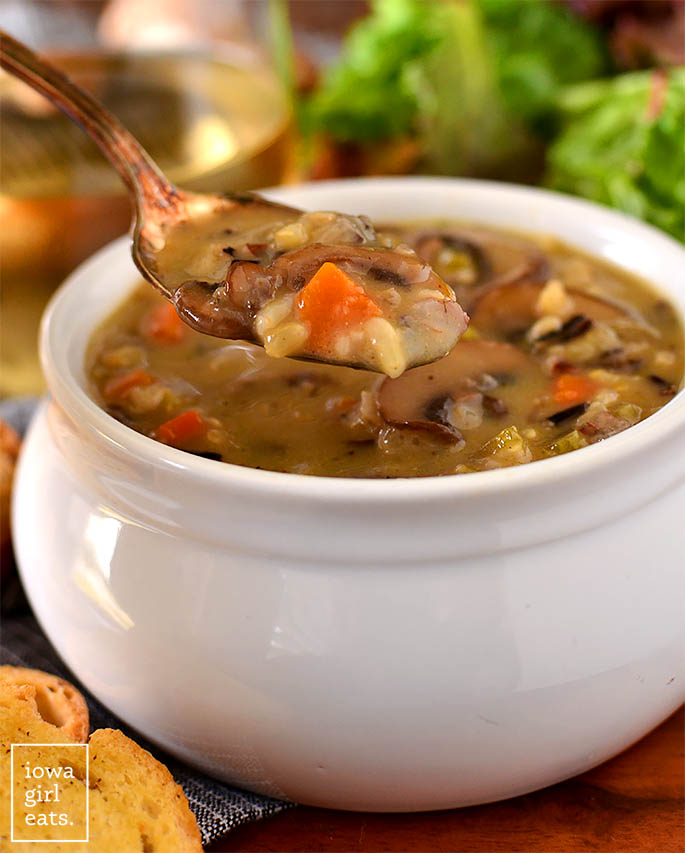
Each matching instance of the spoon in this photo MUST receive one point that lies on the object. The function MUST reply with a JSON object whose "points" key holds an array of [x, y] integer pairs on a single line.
{"points": [[234, 264]]}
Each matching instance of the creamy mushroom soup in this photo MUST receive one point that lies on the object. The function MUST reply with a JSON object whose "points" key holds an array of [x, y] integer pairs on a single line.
{"points": [[562, 350]]}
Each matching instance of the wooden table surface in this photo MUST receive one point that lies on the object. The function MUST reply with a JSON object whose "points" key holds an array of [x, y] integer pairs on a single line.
{"points": [[632, 804]]}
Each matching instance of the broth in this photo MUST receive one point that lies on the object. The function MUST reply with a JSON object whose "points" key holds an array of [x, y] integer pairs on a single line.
{"points": [[563, 350]]}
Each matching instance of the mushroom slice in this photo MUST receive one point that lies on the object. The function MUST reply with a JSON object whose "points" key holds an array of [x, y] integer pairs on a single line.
{"points": [[459, 260], [363, 306], [476, 257], [422, 398], [509, 310], [321, 285]]}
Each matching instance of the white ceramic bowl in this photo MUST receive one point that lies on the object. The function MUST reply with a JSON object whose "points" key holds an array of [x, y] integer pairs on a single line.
{"points": [[364, 644]]}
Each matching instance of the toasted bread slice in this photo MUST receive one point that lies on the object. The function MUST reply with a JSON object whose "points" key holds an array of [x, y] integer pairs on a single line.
{"points": [[9, 451], [21, 722], [58, 701], [134, 803]]}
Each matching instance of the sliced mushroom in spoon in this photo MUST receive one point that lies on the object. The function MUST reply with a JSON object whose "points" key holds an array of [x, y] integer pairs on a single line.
{"points": [[320, 285]]}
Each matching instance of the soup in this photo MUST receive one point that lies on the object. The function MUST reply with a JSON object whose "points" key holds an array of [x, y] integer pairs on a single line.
{"points": [[562, 351]]}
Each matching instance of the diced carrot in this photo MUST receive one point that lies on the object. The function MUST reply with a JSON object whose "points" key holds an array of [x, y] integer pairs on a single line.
{"points": [[163, 325], [119, 386], [183, 428], [570, 388], [331, 303]]}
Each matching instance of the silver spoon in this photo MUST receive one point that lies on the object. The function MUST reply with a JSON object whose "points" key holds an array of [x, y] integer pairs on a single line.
{"points": [[226, 301]]}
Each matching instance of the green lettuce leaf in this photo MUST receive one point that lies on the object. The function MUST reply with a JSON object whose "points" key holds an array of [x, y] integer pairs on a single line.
{"points": [[540, 46], [494, 55], [465, 126], [622, 145], [373, 92]]}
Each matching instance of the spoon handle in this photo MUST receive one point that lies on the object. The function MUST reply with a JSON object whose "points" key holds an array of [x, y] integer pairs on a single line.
{"points": [[129, 158]]}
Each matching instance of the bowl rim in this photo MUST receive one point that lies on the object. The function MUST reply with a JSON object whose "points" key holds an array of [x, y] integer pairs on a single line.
{"points": [[66, 388]]}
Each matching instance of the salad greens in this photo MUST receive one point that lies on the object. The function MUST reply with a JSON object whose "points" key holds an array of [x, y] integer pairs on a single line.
{"points": [[374, 91], [539, 46], [385, 83], [480, 87], [464, 125], [279, 35], [622, 145]]}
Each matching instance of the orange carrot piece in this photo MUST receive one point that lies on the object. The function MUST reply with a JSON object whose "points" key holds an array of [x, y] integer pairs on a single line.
{"points": [[183, 428], [331, 303], [120, 386], [571, 389], [163, 325]]}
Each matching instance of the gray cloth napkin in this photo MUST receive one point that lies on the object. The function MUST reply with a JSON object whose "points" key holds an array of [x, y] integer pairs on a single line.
{"points": [[217, 807]]}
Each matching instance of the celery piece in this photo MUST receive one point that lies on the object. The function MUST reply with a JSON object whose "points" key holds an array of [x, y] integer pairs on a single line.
{"points": [[630, 411], [571, 441], [508, 447]]}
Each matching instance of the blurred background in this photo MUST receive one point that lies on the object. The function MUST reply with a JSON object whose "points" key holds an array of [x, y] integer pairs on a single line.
{"points": [[584, 96]]}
